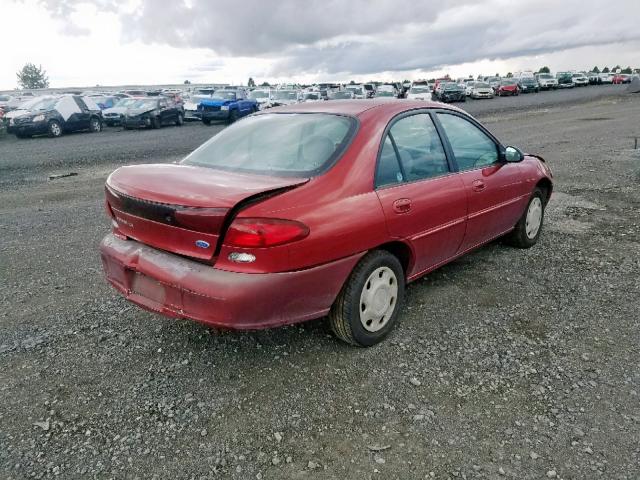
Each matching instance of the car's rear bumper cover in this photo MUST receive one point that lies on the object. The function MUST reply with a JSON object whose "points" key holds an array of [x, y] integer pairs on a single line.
{"points": [[177, 287]]}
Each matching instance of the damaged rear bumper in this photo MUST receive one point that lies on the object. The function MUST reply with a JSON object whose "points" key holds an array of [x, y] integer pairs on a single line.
{"points": [[177, 287]]}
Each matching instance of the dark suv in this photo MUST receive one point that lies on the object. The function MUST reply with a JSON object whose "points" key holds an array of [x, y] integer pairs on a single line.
{"points": [[153, 112]]}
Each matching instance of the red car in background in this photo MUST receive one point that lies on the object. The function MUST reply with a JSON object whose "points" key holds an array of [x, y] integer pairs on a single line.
{"points": [[620, 78], [508, 87], [323, 208]]}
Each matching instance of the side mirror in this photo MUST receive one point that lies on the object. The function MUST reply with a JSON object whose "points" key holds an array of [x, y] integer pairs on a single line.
{"points": [[512, 154]]}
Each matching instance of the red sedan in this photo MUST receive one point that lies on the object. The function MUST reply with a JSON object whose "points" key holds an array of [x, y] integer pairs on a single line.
{"points": [[324, 208], [621, 78], [508, 87]]}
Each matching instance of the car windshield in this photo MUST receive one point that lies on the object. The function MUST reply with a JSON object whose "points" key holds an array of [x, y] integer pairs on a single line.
{"points": [[258, 94], [419, 90], [145, 103], [481, 85], [44, 104], [289, 144], [452, 86], [286, 95], [528, 80], [545, 75], [340, 95], [385, 93], [224, 95], [125, 102], [354, 89], [508, 82], [312, 96], [4, 98]]}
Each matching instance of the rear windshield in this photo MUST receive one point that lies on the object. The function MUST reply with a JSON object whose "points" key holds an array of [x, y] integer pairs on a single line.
{"points": [[284, 144]]}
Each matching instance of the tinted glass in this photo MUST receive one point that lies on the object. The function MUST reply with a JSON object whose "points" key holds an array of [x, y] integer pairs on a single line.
{"points": [[471, 146], [419, 147], [292, 144], [388, 172]]}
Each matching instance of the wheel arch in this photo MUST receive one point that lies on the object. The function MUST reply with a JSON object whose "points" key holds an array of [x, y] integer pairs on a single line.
{"points": [[546, 186], [403, 252]]}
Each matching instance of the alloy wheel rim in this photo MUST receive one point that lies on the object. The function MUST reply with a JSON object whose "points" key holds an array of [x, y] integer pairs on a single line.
{"points": [[95, 126], [55, 129], [534, 218], [378, 299]]}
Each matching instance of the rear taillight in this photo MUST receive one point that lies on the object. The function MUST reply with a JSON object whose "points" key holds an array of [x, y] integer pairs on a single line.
{"points": [[264, 232]]}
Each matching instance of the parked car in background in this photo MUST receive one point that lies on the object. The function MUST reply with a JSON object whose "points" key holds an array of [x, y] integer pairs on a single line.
{"points": [[419, 92], [153, 112], [113, 116], [481, 90], [227, 105], [298, 204], [565, 80], [312, 96], [528, 85], [494, 82], [263, 96], [620, 78], [56, 115], [469, 87], [359, 91], [5, 101], [594, 78], [450, 92], [369, 89], [341, 95], [606, 78], [387, 91], [580, 79], [104, 101], [285, 97], [508, 87], [546, 81]]}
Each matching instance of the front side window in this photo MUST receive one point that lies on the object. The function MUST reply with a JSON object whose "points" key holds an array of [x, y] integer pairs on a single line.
{"points": [[286, 144], [471, 146], [418, 150]]}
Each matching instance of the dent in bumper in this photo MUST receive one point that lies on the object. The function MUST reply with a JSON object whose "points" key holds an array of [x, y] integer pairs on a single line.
{"points": [[182, 288]]}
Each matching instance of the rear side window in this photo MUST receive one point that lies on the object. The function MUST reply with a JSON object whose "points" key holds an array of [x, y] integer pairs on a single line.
{"points": [[471, 146], [418, 152]]}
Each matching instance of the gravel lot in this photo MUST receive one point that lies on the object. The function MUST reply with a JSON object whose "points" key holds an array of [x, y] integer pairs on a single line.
{"points": [[507, 363]]}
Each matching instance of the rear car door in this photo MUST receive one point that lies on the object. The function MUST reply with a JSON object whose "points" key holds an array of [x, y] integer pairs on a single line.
{"points": [[166, 113], [79, 120], [423, 200], [494, 187]]}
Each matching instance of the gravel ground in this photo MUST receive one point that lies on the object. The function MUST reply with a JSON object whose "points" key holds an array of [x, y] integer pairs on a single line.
{"points": [[507, 363]]}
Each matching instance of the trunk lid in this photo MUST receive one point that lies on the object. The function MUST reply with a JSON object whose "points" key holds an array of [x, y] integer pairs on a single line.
{"points": [[183, 209]]}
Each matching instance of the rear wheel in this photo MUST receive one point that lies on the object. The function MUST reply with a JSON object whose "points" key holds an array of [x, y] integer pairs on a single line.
{"points": [[233, 116], [528, 229], [180, 120], [55, 129], [155, 122], [206, 121], [368, 305]]}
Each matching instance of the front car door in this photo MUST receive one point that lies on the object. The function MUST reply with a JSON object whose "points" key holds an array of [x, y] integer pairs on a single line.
{"points": [[165, 112], [423, 199], [494, 187]]}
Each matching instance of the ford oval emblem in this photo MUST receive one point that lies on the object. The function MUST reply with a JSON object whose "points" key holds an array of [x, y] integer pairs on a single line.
{"points": [[202, 244]]}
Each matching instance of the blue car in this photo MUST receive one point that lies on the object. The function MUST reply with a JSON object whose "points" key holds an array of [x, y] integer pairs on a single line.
{"points": [[226, 105]]}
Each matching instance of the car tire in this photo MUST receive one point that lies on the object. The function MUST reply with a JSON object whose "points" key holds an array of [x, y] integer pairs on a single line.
{"points": [[54, 129], [180, 120], [375, 287], [527, 231], [233, 116], [206, 121], [155, 123], [95, 125]]}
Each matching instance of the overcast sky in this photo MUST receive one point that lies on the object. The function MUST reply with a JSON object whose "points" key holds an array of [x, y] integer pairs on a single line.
{"points": [[112, 42]]}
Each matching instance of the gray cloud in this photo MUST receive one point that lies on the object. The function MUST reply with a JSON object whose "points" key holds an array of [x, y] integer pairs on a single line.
{"points": [[369, 36]]}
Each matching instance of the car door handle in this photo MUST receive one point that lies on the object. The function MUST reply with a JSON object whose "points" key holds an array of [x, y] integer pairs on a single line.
{"points": [[402, 205], [478, 185]]}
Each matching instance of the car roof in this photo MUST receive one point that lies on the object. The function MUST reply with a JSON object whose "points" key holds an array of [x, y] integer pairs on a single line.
{"points": [[358, 107]]}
